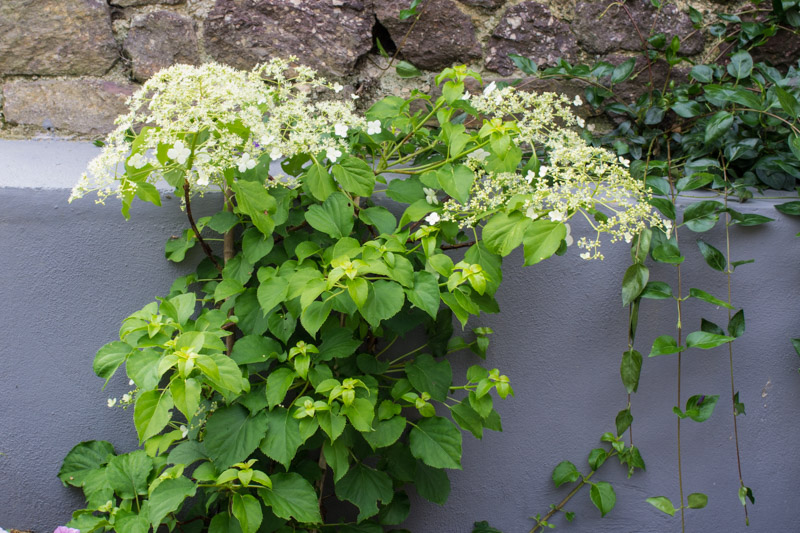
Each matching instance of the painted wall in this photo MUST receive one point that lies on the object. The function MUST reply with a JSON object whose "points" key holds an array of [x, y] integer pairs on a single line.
{"points": [[70, 273]]}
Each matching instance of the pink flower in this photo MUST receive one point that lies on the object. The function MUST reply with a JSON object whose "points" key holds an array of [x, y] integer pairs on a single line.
{"points": [[65, 529]]}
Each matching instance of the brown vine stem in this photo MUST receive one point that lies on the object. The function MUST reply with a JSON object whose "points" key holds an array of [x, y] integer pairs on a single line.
{"points": [[203, 244], [680, 331], [228, 252], [728, 273]]}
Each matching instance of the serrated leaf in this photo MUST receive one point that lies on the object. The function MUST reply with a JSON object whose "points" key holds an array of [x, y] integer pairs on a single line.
{"points": [[355, 176], [365, 487], [334, 216], [427, 375], [437, 442], [232, 434], [151, 413], [168, 497], [282, 437], [503, 233], [292, 496]]}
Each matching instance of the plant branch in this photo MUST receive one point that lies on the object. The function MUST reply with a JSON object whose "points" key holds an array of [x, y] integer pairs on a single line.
{"points": [[203, 244]]}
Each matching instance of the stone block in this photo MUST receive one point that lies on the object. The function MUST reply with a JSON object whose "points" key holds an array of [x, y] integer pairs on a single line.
{"points": [[442, 36], [530, 30], [86, 107], [53, 37], [159, 39], [615, 31], [328, 35], [136, 3]]}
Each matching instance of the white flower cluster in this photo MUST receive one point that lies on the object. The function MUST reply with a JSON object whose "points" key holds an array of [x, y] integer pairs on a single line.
{"points": [[204, 120]]}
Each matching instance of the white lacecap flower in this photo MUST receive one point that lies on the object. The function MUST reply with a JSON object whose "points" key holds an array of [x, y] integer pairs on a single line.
{"points": [[137, 161], [430, 196], [111, 402], [531, 213], [374, 127], [433, 219], [543, 170], [266, 140], [480, 154], [577, 102], [628, 237], [275, 154], [568, 237], [590, 127], [340, 129], [337, 88], [126, 398], [354, 96], [529, 176], [586, 255], [131, 382], [466, 96], [556, 216], [179, 152], [489, 88], [246, 163], [624, 162], [333, 154], [202, 178], [580, 121], [184, 431]]}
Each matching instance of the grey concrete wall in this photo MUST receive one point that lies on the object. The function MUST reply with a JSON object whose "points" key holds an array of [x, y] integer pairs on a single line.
{"points": [[70, 273]]}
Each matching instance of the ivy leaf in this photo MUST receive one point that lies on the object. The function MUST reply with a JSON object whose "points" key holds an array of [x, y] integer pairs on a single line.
{"points": [[109, 358], [633, 282], [151, 413], [355, 176], [437, 442], [232, 435], [427, 375], [706, 341], [364, 487], [167, 498], [282, 437], [603, 497], [630, 369], [663, 504], [697, 500], [565, 472], [713, 257], [292, 496], [82, 460], [542, 239]]}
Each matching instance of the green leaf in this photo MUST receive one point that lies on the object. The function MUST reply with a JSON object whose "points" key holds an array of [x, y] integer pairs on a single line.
{"points": [[623, 71], [665, 344], [109, 358], [360, 413], [596, 458], [254, 349], [186, 395], [334, 216], [223, 221], [788, 102], [702, 73], [656, 290], [224, 523], [405, 69], [706, 341], [332, 424], [152, 413], [82, 460], [384, 301], [700, 407], [232, 435], [292, 497], [425, 293], [503, 233], [736, 324], [282, 437], [663, 504], [633, 282], [256, 245], [437, 442], [315, 315], [703, 295], [468, 418], [380, 217], [630, 370], [456, 181], [565, 472], [526, 65], [623, 421], [718, 126], [713, 257], [431, 483], [697, 500], [320, 183], [668, 253], [603, 497], [741, 65], [794, 145], [180, 308], [247, 511], [542, 239], [227, 288], [386, 432], [337, 455], [130, 522], [426, 375], [364, 487], [789, 208], [745, 492], [253, 199], [702, 216], [168, 497], [278, 383], [355, 176], [695, 181]]}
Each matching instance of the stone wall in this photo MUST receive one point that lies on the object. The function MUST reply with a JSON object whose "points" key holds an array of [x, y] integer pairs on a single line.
{"points": [[67, 66]]}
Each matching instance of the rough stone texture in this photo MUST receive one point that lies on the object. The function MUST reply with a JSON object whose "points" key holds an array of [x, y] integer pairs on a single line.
{"points": [[530, 30], [132, 3], [615, 30], [637, 85], [329, 35], [782, 50], [442, 36], [83, 106], [160, 39], [489, 4], [53, 37]]}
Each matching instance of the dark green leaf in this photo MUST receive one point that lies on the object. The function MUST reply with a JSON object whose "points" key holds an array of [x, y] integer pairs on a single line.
{"points": [[282, 436], [427, 375], [706, 341], [437, 442], [431, 483], [232, 435], [630, 369], [565, 472], [528, 66], [364, 487], [320, 182], [127, 474], [633, 282], [603, 497], [168, 497], [703, 295], [334, 216], [789, 208], [719, 124], [425, 293], [355, 176], [741, 65], [83, 459], [292, 496], [405, 69], [788, 102], [664, 345], [623, 421], [713, 257], [623, 71], [657, 290]]}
